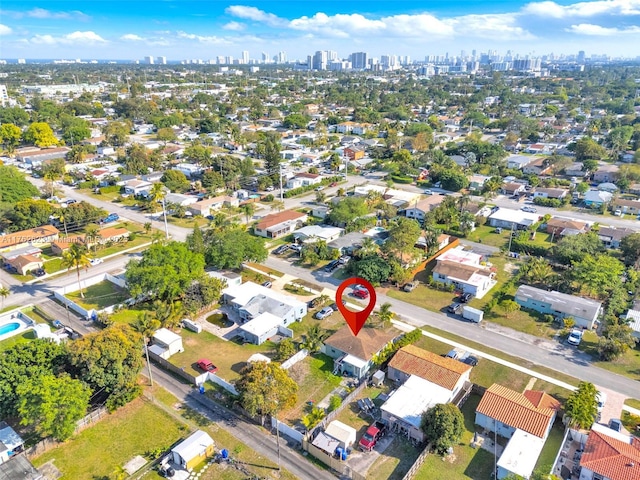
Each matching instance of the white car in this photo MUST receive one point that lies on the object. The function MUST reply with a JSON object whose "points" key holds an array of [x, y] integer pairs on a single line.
{"points": [[96, 261], [601, 398], [575, 337]]}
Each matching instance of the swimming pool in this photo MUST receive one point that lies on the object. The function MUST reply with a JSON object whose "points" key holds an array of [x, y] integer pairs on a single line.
{"points": [[13, 323], [9, 327]]}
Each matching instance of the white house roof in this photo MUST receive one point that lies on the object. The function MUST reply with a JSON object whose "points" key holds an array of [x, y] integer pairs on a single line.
{"points": [[244, 293], [414, 397], [320, 231], [166, 336], [9, 437], [521, 453], [341, 431], [258, 357], [561, 302], [461, 256], [634, 317], [597, 196], [157, 349], [515, 216], [355, 361], [193, 445], [262, 324]]}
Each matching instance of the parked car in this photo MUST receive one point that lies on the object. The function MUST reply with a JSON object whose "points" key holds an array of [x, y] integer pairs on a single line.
{"points": [[331, 266], [465, 297], [601, 398], [334, 306], [207, 365], [96, 261], [334, 184], [455, 353], [57, 324], [166, 471], [615, 424], [320, 188], [295, 246], [471, 360], [38, 272], [409, 287], [112, 217], [575, 337], [270, 188], [361, 293], [454, 308], [428, 191], [267, 284], [281, 249], [529, 209], [374, 433], [313, 303], [324, 313], [344, 259]]}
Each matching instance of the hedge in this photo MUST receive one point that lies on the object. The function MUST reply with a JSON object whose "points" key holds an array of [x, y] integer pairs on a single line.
{"points": [[401, 179], [308, 188]]}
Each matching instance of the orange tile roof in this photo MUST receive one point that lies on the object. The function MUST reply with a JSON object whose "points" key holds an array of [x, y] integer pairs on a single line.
{"points": [[442, 371], [517, 410], [110, 232], [612, 458], [277, 218], [25, 236]]}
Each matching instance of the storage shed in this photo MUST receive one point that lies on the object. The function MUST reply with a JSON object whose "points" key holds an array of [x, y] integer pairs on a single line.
{"points": [[193, 450], [166, 343], [345, 434]]}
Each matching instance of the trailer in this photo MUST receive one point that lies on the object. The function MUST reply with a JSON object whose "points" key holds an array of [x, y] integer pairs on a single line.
{"points": [[472, 314]]}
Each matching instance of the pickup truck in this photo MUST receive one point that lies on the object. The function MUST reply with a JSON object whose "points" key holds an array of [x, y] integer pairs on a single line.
{"points": [[374, 433]]}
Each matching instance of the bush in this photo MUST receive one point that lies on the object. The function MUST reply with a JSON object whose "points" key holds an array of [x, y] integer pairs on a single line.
{"points": [[110, 189], [401, 179], [548, 202], [334, 402]]}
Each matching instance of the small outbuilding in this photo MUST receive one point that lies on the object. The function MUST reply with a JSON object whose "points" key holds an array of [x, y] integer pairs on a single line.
{"points": [[261, 328], [342, 432], [193, 450], [166, 343]]}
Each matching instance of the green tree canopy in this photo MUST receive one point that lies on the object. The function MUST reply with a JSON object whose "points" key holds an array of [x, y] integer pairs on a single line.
{"points": [[403, 236], [176, 181], [27, 214], [630, 247], [453, 180], [14, 186], [443, 426], [347, 210], [52, 405], [10, 135], [582, 406], [374, 269], [573, 248], [588, 149], [40, 134], [230, 248], [74, 129], [165, 271], [597, 275]]}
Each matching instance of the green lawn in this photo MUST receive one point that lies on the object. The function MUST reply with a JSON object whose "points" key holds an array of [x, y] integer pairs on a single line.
{"points": [[266, 270], [315, 381], [187, 222], [632, 402], [99, 296], [351, 416], [487, 235], [396, 460], [628, 364], [101, 449], [551, 447], [467, 462], [17, 339]]}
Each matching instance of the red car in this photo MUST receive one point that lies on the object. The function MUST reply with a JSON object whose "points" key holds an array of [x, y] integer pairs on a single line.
{"points": [[207, 365], [361, 293]]}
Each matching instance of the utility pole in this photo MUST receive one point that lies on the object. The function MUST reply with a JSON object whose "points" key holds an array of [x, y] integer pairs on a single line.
{"points": [[164, 213], [346, 165], [281, 191], [146, 351]]}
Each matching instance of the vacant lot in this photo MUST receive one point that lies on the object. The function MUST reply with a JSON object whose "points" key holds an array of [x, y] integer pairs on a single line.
{"points": [[396, 461], [99, 296], [100, 450]]}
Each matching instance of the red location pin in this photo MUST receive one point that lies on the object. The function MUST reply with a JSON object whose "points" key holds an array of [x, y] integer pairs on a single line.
{"points": [[356, 320]]}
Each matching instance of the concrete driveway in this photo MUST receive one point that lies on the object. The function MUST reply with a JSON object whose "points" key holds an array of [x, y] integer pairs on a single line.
{"points": [[612, 407], [360, 461]]}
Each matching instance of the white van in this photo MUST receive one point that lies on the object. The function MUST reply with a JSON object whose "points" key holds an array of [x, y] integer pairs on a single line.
{"points": [[191, 325]]}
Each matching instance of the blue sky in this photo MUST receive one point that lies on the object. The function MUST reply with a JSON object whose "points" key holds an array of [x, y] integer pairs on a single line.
{"points": [[180, 29]]}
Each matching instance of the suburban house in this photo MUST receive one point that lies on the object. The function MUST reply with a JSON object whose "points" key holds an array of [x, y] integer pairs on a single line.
{"points": [[626, 206], [612, 236], [353, 127], [62, 244], [30, 237], [584, 311], [314, 233], [354, 152], [524, 419], [345, 434], [232, 279], [35, 158], [464, 269], [513, 188], [608, 187], [263, 312], [206, 206], [606, 173], [179, 199], [476, 182], [554, 193], [304, 180], [320, 211], [11, 443], [560, 227], [419, 209], [596, 198], [354, 355], [538, 166], [442, 371], [633, 319], [512, 219], [348, 243], [137, 187], [519, 161], [575, 170], [110, 234], [25, 263], [193, 450], [166, 343], [189, 169], [28, 250], [277, 225], [610, 455]]}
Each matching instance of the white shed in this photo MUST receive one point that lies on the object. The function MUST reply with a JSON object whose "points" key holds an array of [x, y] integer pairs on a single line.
{"points": [[345, 434], [193, 450], [167, 343]]}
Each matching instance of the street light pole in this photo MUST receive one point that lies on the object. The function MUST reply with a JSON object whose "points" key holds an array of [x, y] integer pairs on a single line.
{"points": [[164, 213], [278, 439]]}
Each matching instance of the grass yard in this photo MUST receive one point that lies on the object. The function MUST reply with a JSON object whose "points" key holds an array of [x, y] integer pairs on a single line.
{"points": [[628, 364], [632, 402], [24, 337], [266, 270], [423, 296], [128, 315], [396, 461], [466, 462], [187, 222], [487, 235], [551, 447], [101, 449], [230, 357], [99, 296], [315, 381], [351, 416]]}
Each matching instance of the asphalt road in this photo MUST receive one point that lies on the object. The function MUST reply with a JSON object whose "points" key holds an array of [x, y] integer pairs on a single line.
{"points": [[552, 355]]}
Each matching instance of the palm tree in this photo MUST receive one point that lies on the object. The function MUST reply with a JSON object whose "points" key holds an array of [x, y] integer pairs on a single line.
{"points": [[368, 247], [157, 194], [75, 257], [277, 205], [314, 338], [92, 236], [64, 222], [320, 197], [463, 201], [157, 237], [4, 293], [147, 227], [385, 314], [323, 299], [146, 324], [248, 209]]}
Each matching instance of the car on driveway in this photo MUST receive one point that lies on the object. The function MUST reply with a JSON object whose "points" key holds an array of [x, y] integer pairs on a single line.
{"points": [[575, 337], [409, 287], [207, 365], [615, 424], [267, 284], [57, 324], [38, 272], [324, 313], [471, 360], [281, 249], [313, 303], [334, 306], [454, 308], [601, 398], [465, 297]]}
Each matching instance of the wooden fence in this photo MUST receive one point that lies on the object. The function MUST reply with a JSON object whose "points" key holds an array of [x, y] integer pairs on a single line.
{"points": [[418, 463]]}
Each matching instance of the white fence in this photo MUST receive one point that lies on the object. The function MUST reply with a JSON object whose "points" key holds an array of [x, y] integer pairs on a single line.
{"points": [[223, 383], [301, 355], [60, 293], [287, 430]]}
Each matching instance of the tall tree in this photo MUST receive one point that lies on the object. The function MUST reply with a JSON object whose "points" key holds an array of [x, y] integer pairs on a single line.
{"points": [[248, 209], [581, 406], [52, 405], [231, 247], [443, 426], [4, 293], [76, 257], [385, 314], [10, 136], [40, 134], [403, 236]]}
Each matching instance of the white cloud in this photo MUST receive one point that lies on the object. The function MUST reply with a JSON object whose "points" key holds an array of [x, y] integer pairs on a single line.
{"points": [[234, 26], [43, 14], [502, 26], [208, 39], [255, 14], [583, 9], [597, 30], [4, 30], [74, 38], [131, 37]]}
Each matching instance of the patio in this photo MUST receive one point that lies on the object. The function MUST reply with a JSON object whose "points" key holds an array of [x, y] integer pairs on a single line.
{"points": [[568, 464]]}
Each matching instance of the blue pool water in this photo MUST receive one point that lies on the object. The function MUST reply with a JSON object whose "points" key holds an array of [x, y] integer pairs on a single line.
{"points": [[9, 327]]}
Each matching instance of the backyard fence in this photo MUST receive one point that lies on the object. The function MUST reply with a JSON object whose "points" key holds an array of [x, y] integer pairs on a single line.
{"points": [[223, 383], [301, 355], [286, 430], [329, 460], [418, 463], [48, 443], [179, 371]]}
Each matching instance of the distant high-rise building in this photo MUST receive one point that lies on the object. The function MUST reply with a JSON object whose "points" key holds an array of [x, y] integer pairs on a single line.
{"points": [[359, 60], [4, 95], [282, 57], [265, 58], [245, 57], [320, 60], [162, 60], [148, 60], [581, 56], [21, 61], [228, 60]]}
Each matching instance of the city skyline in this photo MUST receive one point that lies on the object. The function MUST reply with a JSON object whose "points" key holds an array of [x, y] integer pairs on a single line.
{"points": [[112, 29]]}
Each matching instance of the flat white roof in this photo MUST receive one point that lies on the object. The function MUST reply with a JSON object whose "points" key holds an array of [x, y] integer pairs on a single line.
{"points": [[634, 317], [166, 336], [521, 453], [323, 231], [515, 216], [462, 256], [355, 361], [414, 397], [262, 324], [193, 445], [243, 293]]}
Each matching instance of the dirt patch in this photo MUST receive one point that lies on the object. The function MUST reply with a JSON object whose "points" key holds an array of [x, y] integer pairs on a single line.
{"points": [[298, 371], [510, 268]]}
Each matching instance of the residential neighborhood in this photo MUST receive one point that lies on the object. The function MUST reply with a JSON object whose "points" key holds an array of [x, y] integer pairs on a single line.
{"points": [[173, 239]]}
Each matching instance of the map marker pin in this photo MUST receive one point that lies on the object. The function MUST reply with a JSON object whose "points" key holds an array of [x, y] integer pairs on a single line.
{"points": [[356, 320]]}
